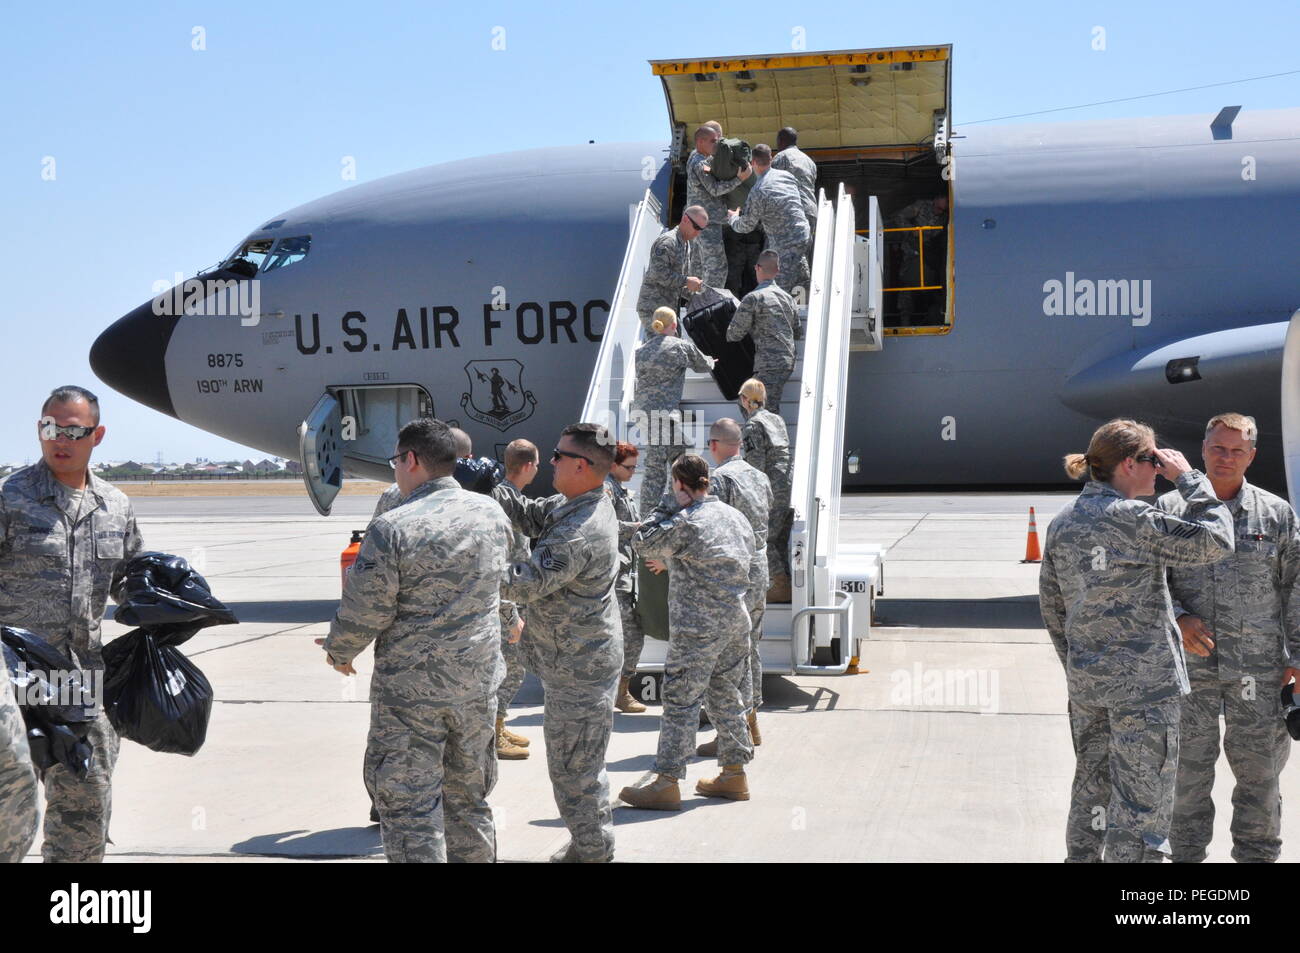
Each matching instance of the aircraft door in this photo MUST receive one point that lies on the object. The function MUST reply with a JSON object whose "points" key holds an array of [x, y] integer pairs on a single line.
{"points": [[321, 454]]}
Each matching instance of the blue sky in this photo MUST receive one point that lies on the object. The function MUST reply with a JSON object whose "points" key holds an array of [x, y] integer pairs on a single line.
{"points": [[165, 156]]}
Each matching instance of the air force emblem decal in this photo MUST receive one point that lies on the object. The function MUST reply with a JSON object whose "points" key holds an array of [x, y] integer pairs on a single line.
{"points": [[496, 394]]}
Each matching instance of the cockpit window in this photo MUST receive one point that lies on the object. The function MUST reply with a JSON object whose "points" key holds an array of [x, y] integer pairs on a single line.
{"points": [[288, 251], [252, 253]]}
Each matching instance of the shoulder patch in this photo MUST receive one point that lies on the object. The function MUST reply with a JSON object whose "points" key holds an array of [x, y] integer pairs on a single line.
{"points": [[553, 560]]}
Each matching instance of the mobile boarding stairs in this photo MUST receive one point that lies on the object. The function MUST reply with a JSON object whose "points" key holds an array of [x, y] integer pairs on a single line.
{"points": [[834, 585]]}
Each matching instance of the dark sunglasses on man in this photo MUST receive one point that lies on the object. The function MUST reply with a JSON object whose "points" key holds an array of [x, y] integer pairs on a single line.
{"points": [[557, 453], [54, 432]]}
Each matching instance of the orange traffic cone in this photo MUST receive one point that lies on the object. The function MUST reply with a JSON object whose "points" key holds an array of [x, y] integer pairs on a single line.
{"points": [[1032, 553]]}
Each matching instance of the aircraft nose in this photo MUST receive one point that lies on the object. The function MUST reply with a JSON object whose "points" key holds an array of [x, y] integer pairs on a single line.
{"points": [[129, 356]]}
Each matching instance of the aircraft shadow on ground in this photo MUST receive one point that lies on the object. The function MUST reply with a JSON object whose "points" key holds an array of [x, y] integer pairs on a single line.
{"points": [[1002, 612], [341, 842]]}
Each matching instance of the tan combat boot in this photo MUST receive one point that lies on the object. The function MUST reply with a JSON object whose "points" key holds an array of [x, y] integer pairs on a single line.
{"points": [[779, 590], [661, 794], [755, 735], [519, 741], [709, 749], [506, 749], [624, 701], [731, 783]]}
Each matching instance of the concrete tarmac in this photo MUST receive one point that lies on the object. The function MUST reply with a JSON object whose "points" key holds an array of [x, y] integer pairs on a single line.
{"points": [[952, 745]]}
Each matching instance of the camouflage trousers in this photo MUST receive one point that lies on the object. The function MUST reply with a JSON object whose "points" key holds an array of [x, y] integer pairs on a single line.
{"points": [[1257, 744], [779, 521], [659, 451], [579, 677], [77, 812], [793, 262], [1122, 798], [515, 672], [757, 606], [711, 671], [431, 769], [713, 256], [18, 812], [633, 634], [773, 374]]}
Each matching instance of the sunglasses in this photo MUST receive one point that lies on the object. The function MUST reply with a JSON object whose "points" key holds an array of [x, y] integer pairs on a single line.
{"points": [[392, 461], [698, 226], [557, 453], [54, 432], [1151, 459]]}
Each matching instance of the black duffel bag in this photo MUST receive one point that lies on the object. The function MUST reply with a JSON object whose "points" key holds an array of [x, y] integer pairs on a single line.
{"points": [[729, 157], [707, 325]]}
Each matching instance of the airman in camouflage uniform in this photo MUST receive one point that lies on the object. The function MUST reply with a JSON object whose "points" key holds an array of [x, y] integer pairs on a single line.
{"points": [[790, 158], [768, 315], [629, 521], [708, 549], [425, 589], [777, 206], [61, 552], [574, 642], [674, 266], [1247, 609], [511, 746], [708, 192], [738, 484], [766, 447], [661, 363], [1107, 610], [18, 813]]}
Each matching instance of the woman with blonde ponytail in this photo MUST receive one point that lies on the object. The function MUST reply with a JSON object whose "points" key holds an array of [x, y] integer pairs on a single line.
{"points": [[661, 364], [1106, 606]]}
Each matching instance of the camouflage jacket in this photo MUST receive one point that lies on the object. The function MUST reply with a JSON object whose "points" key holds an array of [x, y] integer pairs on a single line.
{"points": [[568, 583], [920, 213], [425, 589], [748, 490], [55, 577], [798, 163], [672, 261], [661, 363], [767, 314], [519, 551], [629, 521], [1248, 600], [706, 190], [709, 550], [776, 205], [390, 498], [1103, 595], [766, 442]]}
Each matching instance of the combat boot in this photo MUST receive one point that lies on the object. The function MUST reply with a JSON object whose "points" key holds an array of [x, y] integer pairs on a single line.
{"points": [[755, 735], [506, 749], [624, 701], [661, 794], [709, 749], [779, 590], [519, 741], [731, 784]]}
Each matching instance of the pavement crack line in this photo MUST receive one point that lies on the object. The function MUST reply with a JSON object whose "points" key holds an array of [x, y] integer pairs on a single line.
{"points": [[255, 638]]}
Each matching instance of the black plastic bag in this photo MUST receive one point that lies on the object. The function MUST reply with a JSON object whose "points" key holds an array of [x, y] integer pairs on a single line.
{"points": [[729, 157], [154, 695], [480, 475], [58, 706], [163, 594]]}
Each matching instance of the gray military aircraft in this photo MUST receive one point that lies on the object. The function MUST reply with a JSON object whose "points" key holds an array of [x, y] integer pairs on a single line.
{"points": [[1139, 267]]}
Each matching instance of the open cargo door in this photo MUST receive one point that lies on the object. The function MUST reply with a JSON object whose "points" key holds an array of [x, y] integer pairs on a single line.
{"points": [[868, 294], [848, 99], [321, 454]]}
